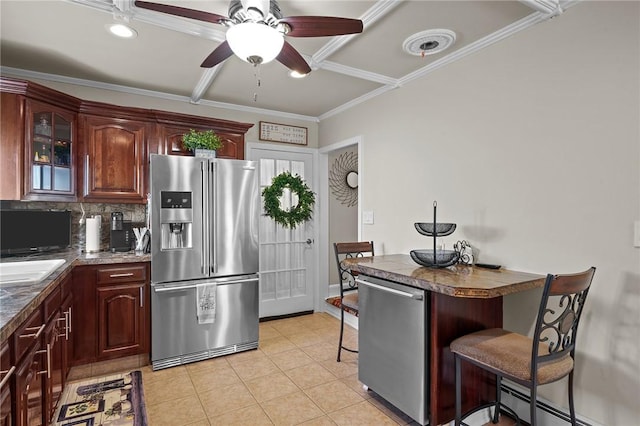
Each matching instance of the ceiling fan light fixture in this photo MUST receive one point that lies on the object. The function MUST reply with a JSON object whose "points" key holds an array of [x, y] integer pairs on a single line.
{"points": [[297, 74], [122, 30], [255, 43]]}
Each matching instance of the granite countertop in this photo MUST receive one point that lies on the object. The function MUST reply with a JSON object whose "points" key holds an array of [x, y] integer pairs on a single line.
{"points": [[18, 302], [457, 281]]}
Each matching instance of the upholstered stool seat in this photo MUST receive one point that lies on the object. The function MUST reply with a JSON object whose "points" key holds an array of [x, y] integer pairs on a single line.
{"points": [[349, 303], [510, 355]]}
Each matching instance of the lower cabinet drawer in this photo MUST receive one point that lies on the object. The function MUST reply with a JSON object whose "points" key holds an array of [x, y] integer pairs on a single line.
{"points": [[110, 275]]}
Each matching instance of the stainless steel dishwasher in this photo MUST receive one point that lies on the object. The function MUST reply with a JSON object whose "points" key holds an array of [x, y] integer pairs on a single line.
{"points": [[392, 340]]}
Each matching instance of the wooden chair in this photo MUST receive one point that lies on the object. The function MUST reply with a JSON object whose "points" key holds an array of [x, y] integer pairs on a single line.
{"points": [[348, 300], [546, 358]]}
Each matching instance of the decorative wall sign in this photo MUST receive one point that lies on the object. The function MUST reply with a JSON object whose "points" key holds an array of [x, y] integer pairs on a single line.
{"points": [[343, 178], [275, 132]]}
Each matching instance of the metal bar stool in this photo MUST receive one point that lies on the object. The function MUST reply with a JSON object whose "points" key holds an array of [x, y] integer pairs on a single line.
{"points": [[545, 358], [348, 287]]}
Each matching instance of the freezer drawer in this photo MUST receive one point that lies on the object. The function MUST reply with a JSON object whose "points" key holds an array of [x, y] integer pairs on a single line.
{"points": [[178, 338], [392, 340]]}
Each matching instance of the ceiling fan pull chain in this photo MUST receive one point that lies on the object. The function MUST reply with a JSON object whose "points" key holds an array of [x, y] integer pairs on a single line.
{"points": [[256, 74]]}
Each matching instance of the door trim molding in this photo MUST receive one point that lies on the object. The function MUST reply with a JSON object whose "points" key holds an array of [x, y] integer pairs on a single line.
{"points": [[323, 199]]}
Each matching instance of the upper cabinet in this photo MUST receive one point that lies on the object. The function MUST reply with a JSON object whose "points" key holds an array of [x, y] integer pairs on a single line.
{"points": [[49, 152], [38, 142], [171, 127], [113, 159], [56, 147]]}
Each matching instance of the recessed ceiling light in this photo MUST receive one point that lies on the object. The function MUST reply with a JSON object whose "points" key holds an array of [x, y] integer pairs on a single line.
{"points": [[296, 74], [122, 30]]}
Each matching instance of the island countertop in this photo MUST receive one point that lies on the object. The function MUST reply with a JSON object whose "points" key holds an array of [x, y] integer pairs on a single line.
{"points": [[457, 281]]}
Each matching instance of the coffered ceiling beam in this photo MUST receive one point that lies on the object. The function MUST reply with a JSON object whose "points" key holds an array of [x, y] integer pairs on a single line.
{"points": [[358, 73], [208, 75], [548, 7], [376, 12]]}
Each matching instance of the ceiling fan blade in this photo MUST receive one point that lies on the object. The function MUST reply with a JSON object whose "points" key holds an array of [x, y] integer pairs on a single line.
{"points": [[319, 26], [199, 15], [290, 58], [220, 53]]}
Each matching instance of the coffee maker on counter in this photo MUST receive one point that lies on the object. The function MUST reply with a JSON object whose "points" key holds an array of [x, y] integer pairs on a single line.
{"points": [[121, 233]]}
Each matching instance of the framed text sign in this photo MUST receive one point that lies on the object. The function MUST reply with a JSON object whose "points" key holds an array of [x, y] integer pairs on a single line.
{"points": [[275, 132]]}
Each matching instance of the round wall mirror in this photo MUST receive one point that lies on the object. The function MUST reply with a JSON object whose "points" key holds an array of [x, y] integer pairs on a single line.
{"points": [[352, 179]]}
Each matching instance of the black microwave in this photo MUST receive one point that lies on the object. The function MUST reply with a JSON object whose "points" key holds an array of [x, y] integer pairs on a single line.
{"points": [[28, 231]]}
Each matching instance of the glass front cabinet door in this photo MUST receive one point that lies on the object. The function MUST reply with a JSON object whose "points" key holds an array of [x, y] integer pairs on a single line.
{"points": [[50, 135]]}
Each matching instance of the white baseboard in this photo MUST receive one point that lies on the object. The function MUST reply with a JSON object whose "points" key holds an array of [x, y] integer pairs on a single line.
{"points": [[517, 398]]}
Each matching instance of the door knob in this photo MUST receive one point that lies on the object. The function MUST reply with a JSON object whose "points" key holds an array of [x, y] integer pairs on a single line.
{"points": [[309, 241]]}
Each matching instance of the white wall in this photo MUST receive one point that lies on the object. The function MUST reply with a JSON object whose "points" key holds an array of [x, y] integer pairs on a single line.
{"points": [[532, 147]]}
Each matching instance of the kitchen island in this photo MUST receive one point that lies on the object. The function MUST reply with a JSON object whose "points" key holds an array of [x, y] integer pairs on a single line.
{"points": [[454, 301]]}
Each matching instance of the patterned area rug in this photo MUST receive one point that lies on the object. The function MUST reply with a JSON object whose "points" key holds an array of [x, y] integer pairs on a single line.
{"points": [[117, 399]]}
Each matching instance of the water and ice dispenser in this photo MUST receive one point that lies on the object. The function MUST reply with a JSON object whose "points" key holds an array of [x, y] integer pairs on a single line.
{"points": [[176, 219]]}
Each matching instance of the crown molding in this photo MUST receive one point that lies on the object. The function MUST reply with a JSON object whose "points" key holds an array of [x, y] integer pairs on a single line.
{"points": [[356, 101], [16, 72]]}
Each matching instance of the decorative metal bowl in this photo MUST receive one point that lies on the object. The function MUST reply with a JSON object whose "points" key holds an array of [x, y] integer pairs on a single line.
{"points": [[442, 259], [441, 229]]}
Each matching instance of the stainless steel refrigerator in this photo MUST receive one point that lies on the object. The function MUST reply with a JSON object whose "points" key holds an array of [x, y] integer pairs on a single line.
{"points": [[204, 258]]}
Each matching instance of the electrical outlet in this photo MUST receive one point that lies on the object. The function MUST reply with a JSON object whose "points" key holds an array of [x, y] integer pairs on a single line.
{"points": [[367, 217]]}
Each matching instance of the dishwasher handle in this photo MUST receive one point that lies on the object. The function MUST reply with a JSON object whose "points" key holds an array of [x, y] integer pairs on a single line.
{"points": [[390, 290]]}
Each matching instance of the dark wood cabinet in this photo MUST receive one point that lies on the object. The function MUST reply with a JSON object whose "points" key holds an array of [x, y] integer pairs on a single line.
{"points": [[66, 335], [112, 315], [37, 142], [29, 385], [49, 152], [232, 143], [52, 368], [84, 315], [30, 368], [114, 160], [120, 319], [54, 346], [7, 373], [11, 145]]}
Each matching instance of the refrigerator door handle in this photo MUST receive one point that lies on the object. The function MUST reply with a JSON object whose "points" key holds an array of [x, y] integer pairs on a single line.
{"points": [[214, 217], [188, 287], [205, 235]]}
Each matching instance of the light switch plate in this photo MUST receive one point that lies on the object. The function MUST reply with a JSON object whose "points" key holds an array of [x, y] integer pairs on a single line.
{"points": [[636, 233], [367, 217]]}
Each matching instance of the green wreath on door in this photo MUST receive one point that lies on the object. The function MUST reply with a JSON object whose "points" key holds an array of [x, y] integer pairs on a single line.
{"points": [[301, 212]]}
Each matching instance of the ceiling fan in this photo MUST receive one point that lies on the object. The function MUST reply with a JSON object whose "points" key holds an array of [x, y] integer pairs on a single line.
{"points": [[257, 29]]}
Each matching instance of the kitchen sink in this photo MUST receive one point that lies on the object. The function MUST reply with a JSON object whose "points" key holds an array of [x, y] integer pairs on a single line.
{"points": [[27, 272]]}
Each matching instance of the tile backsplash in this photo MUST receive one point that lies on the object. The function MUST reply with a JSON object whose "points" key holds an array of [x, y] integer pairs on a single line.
{"points": [[136, 213]]}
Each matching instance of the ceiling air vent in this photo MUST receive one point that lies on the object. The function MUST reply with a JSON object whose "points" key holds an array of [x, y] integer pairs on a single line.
{"points": [[429, 42]]}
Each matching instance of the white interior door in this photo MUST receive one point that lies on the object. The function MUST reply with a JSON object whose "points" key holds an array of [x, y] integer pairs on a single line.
{"points": [[287, 256]]}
